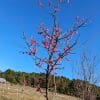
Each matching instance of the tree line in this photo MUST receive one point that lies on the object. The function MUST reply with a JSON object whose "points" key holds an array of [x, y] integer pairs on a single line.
{"points": [[37, 80]]}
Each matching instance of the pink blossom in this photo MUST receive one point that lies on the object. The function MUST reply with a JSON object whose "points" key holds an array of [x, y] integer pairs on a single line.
{"points": [[56, 32], [34, 51], [69, 37], [58, 59], [56, 9], [45, 44], [49, 62], [50, 39], [53, 50], [66, 48], [33, 42], [71, 32], [55, 68], [54, 44], [40, 4]]}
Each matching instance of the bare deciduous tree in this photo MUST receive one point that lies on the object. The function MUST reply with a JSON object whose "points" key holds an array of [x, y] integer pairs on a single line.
{"points": [[88, 73]]}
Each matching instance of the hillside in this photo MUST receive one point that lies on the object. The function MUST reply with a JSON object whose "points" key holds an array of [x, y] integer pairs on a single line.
{"points": [[17, 92], [28, 82]]}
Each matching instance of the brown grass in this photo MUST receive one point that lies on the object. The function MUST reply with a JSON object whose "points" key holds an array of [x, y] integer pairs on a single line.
{"points": [[18, 92]]}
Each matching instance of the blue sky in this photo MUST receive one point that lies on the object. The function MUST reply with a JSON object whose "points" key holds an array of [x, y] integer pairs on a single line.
{"points": [[17, 16]]}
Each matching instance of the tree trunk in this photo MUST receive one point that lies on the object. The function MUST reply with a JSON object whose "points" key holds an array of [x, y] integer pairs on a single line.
{"points": [[47, 76], [55, 90]]}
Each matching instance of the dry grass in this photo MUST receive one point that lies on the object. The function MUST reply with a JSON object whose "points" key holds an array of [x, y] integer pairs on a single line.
{"points": [[18, 92]]}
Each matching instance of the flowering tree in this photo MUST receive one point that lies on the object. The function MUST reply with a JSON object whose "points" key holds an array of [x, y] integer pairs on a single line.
{"points": [[57, 44]]}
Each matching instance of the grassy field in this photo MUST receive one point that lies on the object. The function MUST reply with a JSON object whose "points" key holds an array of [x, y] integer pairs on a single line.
{"points": [[18, 92]]}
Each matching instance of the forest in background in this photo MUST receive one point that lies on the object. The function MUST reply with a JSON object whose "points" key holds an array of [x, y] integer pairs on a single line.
{"points": [[63, 85]]}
